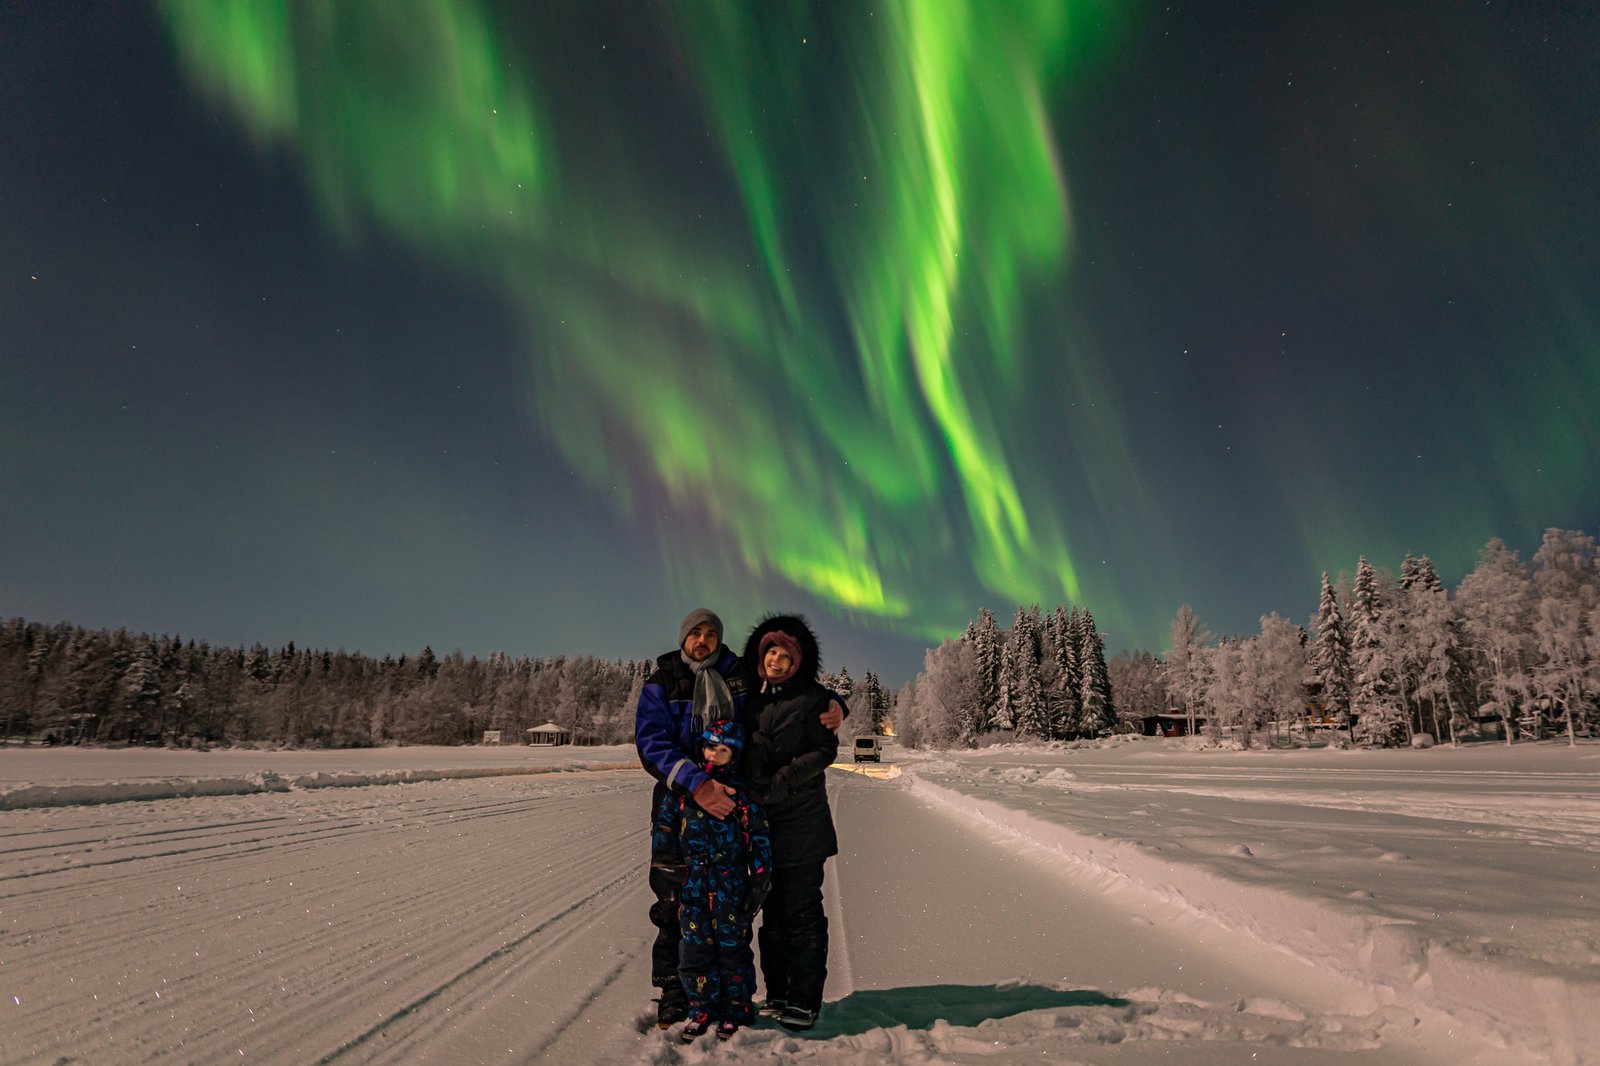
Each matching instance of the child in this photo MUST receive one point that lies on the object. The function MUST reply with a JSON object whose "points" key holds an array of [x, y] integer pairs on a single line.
{"points": [[726, 874]]}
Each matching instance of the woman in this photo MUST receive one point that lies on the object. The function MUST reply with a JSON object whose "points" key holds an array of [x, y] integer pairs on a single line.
{"points": [[790, 751]]}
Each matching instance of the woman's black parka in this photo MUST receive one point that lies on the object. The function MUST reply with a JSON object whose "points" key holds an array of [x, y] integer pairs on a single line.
{"points": [[790, 749]]}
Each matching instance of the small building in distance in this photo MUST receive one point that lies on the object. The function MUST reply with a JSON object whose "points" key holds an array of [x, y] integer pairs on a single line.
{"points": [[549, 734], [1171, 724]]}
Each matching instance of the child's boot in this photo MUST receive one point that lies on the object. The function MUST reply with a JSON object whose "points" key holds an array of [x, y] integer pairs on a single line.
{"points": [[696, 1027]]}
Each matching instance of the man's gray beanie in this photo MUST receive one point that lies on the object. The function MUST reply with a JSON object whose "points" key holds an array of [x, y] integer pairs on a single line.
{"points": [[694, 618]]}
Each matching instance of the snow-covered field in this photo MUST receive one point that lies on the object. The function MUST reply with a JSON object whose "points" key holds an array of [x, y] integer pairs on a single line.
{"points": [[1128, 903]]}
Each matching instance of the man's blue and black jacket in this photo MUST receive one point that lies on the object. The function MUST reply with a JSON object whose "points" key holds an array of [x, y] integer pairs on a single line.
{"points": [[665, 730]]}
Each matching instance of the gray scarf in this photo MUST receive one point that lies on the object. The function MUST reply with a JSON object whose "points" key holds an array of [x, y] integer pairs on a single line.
{"points": [[712, 700]]}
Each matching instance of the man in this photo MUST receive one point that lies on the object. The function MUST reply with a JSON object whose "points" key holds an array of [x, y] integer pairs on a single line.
{"points": [[692, 687]]}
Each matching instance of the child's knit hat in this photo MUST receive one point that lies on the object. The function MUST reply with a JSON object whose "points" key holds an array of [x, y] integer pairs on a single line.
{"points": [[723, 732]]}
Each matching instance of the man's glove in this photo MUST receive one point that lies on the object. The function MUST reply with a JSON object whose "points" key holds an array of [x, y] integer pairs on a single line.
{"points": [[713, 797]]}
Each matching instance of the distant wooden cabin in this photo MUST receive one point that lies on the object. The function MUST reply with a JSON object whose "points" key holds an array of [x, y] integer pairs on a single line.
{"points": [[548, 735], [1171, 724]]}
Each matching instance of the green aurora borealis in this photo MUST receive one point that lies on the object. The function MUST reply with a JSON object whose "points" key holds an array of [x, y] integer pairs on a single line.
{"points": [[906, 308], [841, 408]]}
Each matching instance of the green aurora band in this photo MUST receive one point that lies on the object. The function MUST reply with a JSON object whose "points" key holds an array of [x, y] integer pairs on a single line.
{"points": [[818, 386]]}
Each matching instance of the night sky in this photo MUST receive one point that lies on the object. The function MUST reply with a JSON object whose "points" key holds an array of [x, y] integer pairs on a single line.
{"points": [[528, 327]]}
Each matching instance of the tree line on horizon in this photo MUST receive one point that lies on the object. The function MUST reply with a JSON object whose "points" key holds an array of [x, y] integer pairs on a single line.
{"points": [[1385, 658], [1514, 649], [67, 684]]}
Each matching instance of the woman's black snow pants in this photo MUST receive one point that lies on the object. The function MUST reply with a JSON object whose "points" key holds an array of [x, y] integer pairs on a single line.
{"points": [[794, 936]]}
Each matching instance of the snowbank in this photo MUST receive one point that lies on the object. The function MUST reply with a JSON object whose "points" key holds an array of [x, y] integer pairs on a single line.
{"points": [[66, 776], [1346, 861]]}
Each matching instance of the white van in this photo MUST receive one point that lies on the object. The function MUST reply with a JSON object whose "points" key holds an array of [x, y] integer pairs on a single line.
{"points": [[869, 749]]}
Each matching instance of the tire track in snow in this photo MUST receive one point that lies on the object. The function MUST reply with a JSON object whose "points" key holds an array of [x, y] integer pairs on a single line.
{"points": [[470, 972], [285, 941]]}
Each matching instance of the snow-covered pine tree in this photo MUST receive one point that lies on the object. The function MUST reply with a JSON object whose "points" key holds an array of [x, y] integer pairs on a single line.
{"points": [[1069, 717], [1060, 701], [1379, 721], [140, 695], [986, 646], [844, 685], [1433, 646], [1099, 711], [866, 705], [1427, 577], [1055, 637], [1410, 572], [1330, 653], [1008, 687], [1405, 643], [878, 706], [1030, 714]]}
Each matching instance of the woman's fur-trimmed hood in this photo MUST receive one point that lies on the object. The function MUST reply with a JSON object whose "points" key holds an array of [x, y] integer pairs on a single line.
{"points": [[800, 630]]}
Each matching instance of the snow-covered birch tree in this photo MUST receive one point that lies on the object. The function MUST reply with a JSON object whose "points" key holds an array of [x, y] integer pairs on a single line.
{"points": [[1279, 667], [1497, 610], [1186, 662], [1567, 587]]}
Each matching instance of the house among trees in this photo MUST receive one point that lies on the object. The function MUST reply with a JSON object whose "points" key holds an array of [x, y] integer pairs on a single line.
{"points": [[549, 734], [1171, 724]]}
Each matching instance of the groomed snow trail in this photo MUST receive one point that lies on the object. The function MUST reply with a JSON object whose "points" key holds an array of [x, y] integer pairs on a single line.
{"points": [[952, 946], [503, 920], [491, 920]]}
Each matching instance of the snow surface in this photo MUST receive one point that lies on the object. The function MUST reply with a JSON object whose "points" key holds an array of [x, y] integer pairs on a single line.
{"points": [[1131, 902]]}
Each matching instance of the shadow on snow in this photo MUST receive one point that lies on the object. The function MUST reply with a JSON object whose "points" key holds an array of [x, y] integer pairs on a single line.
{"points": [[962, 1005]]}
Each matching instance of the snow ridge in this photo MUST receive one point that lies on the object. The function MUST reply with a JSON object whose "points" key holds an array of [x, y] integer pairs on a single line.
{"points": [[1550, 1016], [24, 794]]}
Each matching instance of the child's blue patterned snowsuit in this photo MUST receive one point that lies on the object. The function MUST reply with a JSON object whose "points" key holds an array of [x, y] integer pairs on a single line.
{"points": [[727, 864]]}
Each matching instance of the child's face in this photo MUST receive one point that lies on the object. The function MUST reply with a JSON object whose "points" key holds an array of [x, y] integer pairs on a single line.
{"points": [[718, 754]]}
